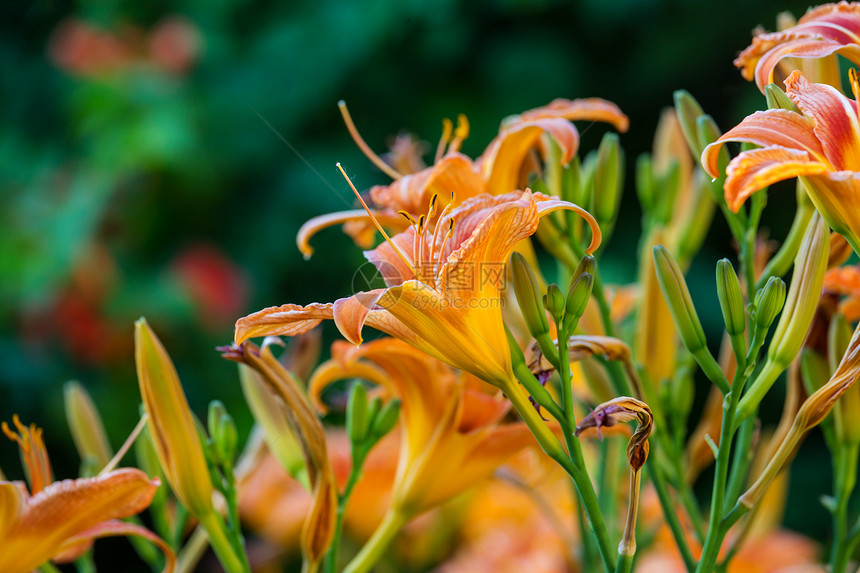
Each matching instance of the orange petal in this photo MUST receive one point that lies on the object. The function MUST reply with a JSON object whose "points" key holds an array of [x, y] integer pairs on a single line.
{"points": [[767, 128], [390, 266], [835, 117], [350, 313], [547, 205], [317, 224], [284, 320], [68, 508], [587, 109], [114, 528], [836, 195], [757, 168]]}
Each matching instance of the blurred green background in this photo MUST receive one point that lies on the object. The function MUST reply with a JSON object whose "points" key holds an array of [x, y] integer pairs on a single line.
{"points": [[140, 171]]}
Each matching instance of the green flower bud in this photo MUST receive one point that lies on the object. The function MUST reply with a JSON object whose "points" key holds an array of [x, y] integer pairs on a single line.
{"points": [[803, 294], [677, 297], [222, 432], [689, 111], [731, 299], [216, 410], [669, 183], [529, 296], [357, 420], [579, 293], [553, 301], [385, 420], [645, 181], [608, 176], [768, 302], [571, 182], [777, 99], [87, 429]]}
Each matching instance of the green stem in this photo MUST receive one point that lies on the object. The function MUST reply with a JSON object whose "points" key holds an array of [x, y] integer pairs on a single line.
{"points": [[740, 463], [625, 564], [573, 465], [845, 479], [343, 500], [375, 547], [659, 481], [220, 541], [193, 551], [715, 535], [85, 563]]}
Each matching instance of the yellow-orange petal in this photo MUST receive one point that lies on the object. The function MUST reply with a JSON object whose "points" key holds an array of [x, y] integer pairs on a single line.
{"points": [[11, 506], [502, 161], [390, 220], [757, 168], [351, 313], [114, 528], [773, 127], [331, 371], [836, 195], [284, 320]]}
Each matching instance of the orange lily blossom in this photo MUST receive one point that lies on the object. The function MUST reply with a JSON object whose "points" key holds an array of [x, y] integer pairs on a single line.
{"points": [[821, 145], [449, 429], [58, 521], [500, 169], [820, 34], [444, 286]]}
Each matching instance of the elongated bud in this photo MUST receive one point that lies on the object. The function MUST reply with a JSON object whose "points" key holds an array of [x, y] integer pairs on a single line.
{"points": [[668, 184], [768, 302], [571, 182], [801, 302], [777, 99], [838, 338], [529, 296], [385, 420], [803, 294], [357, 421], [731, 299], [838, 341], [553, 301], [645, 181], [608, 175], [86, 427], [677, 297], [579, 293], [689, 111], [813, 369], [172, 426]]}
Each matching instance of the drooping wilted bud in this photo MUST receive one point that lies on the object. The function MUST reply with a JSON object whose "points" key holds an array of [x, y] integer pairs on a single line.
{"points": [[777, 99], [357, 421], [678, 299], [624, 409], [318, 530], [608, 179], [768, 302], [579, 293], [529, 296], [731, 299], [553, 301], [86, 427]]}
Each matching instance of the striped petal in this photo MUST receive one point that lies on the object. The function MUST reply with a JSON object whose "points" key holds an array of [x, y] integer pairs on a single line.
{"points": [[586, 109], [774, 127], [755, 169], [835, 118], [285, 320], [313, 226]]}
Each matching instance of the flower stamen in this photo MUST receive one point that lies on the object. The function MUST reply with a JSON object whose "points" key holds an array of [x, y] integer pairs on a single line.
{"points": [[447, 128], [375, 222], [359, 141]]}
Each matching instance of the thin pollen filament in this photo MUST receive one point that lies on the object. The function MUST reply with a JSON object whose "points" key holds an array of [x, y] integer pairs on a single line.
{"points": [[460, 134], [365, 148], [447, 128], [855, 83], [375, 222]]}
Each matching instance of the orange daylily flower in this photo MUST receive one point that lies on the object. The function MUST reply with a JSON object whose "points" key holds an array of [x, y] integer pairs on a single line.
{"points": [[446, 424], [444, 285], [845, 281], [502, 167], [58, 521], [821, 146], [822, 32]]}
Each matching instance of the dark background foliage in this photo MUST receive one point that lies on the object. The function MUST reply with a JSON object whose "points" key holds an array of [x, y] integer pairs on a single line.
{"points": [[167, 177]]}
